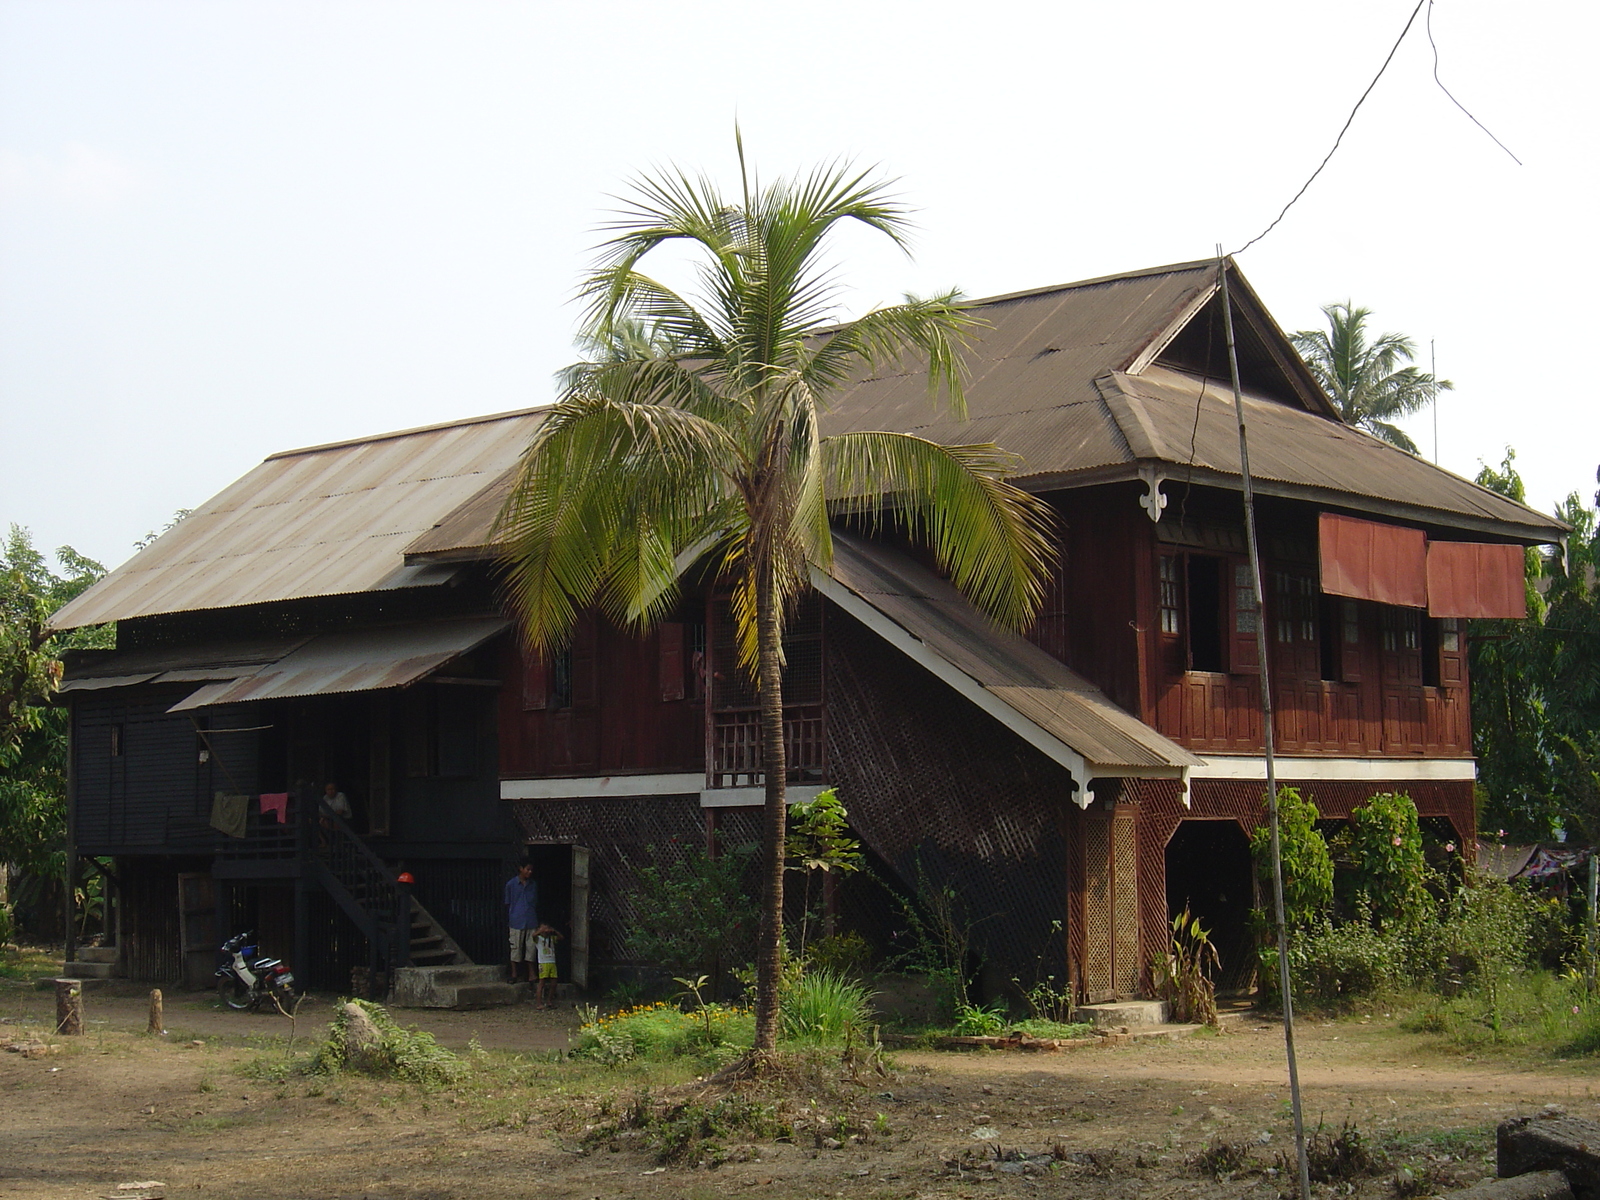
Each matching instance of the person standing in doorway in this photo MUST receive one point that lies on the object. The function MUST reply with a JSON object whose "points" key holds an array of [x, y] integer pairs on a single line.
{"points": [[522, 915], [544, 992]]}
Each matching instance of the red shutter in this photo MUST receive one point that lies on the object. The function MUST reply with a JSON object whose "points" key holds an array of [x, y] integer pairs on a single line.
{"points": [[1474, 579], [585, 664], [1368, 561], [535, 680], [1244, 618], [670, 660], [1349, 634]]}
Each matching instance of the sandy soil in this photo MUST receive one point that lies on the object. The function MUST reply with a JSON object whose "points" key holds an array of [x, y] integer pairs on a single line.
{"points": [[115, 1106]]}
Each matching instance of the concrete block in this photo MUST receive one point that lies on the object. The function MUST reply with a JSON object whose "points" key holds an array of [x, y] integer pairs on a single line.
{"points": [[1552, 1143], [1132, 1013], [1537, 1185]]}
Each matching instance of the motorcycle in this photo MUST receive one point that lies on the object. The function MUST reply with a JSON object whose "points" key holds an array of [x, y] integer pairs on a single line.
{"points": [[245, 977]]}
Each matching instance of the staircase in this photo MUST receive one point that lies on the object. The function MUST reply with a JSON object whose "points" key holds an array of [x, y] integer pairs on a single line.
{"points": [[431, 945], [92, 963]]}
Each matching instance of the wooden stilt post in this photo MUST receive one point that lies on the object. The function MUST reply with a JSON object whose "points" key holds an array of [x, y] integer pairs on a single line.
{"points": [[69, 1007], [155, 1025]]}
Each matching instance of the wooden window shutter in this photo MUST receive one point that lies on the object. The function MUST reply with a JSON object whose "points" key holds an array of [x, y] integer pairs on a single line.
{"points": [[535, 680], [1244, 619], [1452, 652], [1367, 560], [1472, 579], [585, 682], [670, 659], [1349, 634]]}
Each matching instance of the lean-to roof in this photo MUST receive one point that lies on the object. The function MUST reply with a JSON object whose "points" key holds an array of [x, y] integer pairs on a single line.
{"points": [[323, 521]]}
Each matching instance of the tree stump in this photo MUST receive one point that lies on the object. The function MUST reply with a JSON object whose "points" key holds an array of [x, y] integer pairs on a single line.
{"points": [[155, 1025], [361, 1038], [69, 1006]]}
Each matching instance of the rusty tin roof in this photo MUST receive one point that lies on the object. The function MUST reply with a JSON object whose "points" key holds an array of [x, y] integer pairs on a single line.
{"points": [[927, 617], [323, 521]]}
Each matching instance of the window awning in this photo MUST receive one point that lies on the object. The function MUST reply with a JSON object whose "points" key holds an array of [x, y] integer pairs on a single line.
{"points": [[1476, 579], [364, 660], [1366, 560]]}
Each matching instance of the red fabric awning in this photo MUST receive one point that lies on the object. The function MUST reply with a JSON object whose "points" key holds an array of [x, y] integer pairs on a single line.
{"points": [[1475, 579], [1368, 561]]}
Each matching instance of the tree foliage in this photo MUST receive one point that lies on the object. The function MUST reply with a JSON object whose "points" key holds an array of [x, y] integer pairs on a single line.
{"points": [[1368, 379], [1536, 686], [33, 732], [1307, 866], [1383, 845], [692, 435]]}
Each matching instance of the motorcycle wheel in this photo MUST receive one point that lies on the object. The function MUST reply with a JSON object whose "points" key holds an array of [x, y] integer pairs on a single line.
{"points": [[234, 994], [286, 996]]}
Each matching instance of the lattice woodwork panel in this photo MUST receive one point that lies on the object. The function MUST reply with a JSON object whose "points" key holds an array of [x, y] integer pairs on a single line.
{"points": [[623, 834], [1125, 907], [1098, 907], [929, 780]]}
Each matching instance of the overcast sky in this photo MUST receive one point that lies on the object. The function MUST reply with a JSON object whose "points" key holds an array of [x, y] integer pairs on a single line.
{"points": [[232, 228]]}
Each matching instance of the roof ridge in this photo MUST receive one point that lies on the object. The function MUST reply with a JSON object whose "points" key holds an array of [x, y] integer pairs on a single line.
{"points": [[400, 433]]}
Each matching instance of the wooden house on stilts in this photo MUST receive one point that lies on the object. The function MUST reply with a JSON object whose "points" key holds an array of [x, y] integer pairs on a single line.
{"points": [[333, 617]]}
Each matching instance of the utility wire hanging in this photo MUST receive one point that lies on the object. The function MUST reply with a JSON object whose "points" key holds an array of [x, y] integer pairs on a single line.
{"points": [[1269, 741]]}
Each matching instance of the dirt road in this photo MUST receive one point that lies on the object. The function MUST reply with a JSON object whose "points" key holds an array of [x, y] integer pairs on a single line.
{"points": [[116, 1106]]}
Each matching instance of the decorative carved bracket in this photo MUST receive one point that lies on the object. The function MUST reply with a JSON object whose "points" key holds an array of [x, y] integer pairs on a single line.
{"points": [[1153, 502]]}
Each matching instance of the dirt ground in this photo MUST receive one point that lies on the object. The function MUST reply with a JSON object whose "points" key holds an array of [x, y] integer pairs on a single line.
{"points": [[1110, 1121]]}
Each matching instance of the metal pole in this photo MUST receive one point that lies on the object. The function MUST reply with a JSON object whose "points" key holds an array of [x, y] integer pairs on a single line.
{"points": [[1433, 388], [1268, 739], [1590, 935]]}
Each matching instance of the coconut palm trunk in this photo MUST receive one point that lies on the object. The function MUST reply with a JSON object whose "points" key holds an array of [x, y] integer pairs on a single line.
{"points": [[774, 767]]}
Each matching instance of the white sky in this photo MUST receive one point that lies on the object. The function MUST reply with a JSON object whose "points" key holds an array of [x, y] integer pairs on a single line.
{"points": [[231, 228]]}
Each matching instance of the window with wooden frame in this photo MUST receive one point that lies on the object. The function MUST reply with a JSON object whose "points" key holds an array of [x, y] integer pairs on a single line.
{"points": [[1295, 628], [1208, 615]]}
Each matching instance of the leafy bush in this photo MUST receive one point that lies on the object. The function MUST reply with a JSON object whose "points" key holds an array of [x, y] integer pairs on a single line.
{"points": [[1183, 975], [663, 1030], [847, 954], [8, 930], [408, 1054], [1383, 844], [1332, 964], [1307, 866], [824, 1008], [974, 1020], [692, 909]]}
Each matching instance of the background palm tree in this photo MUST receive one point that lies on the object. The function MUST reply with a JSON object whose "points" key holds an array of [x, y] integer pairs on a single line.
{"points": [[1367, 380], [692, 437]]}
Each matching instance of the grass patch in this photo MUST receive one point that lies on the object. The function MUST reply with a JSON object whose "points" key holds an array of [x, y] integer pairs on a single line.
{"points": [[661, 1031], [1539, 1012], [27, 963], [398, 1052], [1063, 1030]]}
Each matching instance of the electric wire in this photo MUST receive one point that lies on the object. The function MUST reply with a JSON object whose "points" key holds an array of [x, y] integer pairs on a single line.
{"points": [[1346, 128], [1427, 24]]}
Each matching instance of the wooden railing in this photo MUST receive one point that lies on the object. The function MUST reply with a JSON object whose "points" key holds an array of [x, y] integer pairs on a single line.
{"points": [[735, 759]]}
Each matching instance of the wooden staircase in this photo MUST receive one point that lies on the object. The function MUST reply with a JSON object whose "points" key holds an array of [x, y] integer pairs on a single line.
{"points": [[431, 943]]}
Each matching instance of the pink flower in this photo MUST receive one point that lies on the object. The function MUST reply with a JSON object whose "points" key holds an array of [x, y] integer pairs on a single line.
{"points": [[1574, 1010], [1501, 833], [1396, 841], [1449, 847]]}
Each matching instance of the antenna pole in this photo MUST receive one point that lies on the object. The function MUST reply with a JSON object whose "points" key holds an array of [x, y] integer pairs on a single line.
{"points": [[1268, 739], [1433, 389]]}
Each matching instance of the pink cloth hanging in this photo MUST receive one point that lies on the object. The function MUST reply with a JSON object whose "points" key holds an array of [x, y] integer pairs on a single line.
{"points": [[276, 802]]}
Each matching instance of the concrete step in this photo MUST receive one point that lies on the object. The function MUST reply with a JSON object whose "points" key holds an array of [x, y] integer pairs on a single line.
{"points": [[450, 985], [1133, 1014], [97, 954], [80, 969]]}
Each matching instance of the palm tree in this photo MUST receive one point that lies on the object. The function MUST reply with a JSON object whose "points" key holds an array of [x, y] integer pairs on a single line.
{"points": [[1365, 381], [692, 436]]}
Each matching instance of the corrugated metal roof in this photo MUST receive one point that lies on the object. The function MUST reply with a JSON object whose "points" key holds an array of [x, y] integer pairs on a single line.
{"points": [[358, 661], [1035, 685], [323, 521], [87, 670]]}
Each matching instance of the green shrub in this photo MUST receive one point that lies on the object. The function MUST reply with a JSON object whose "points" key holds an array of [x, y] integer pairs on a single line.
{"points": [[1388, 873], [408, 1054], [847, 954], [661, 1030], [824, 1008], [1307, 866], [8, 925], [974, 1020], [692, 909], [1332, 964]]}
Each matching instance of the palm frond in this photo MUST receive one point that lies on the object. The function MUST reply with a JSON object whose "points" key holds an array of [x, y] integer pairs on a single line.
{"points": [[996, 541]]}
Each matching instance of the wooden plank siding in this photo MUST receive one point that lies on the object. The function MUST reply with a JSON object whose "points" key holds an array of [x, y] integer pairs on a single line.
{"points": [[619, 703]]}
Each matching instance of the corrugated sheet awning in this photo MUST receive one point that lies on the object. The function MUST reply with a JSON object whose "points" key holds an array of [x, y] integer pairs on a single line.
{"points": [[358, 661], [1476, 579], [1368, 560], [1051, 705], [94, 670]]}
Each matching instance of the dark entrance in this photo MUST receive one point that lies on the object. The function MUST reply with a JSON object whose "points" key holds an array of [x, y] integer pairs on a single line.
{"points": [[562, 873], [1208, 869]]}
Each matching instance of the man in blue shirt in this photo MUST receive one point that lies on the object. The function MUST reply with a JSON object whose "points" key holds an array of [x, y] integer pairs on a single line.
{"points": [[522, 903]]}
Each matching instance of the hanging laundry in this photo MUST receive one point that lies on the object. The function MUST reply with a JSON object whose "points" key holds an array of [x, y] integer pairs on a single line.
{"points": [[275, 802], [230, 814]]}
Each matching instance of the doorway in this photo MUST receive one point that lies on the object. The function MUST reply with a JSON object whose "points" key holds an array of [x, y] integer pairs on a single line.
{"points": [[1209, 872], [561, 871]]}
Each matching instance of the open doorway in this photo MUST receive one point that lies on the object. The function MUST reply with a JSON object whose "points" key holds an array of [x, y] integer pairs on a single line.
{"points": [[1209, 871], [562, 873]]}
